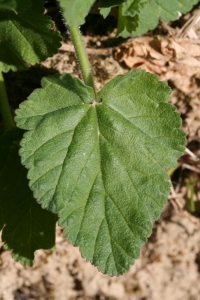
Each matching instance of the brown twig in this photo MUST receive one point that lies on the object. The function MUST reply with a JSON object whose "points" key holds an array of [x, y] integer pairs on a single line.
{"points": [[186, 29], [104, 52]]}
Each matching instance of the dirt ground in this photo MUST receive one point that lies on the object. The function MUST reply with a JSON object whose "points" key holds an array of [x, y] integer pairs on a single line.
{"points": [[169, 264]]}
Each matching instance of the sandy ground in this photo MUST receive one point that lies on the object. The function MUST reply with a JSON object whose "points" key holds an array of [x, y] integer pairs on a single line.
{"points": [[168, 268]]}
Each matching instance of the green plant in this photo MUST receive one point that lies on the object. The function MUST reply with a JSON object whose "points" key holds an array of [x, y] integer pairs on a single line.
{"points": [[97, 161]]}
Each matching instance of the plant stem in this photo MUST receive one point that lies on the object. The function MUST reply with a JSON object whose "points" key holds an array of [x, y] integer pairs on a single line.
{"points": [[82, 57], [190, 199], [4, 106]]}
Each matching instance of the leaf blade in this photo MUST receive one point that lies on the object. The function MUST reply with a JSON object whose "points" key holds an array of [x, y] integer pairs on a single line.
{"points": [[106, 178]]}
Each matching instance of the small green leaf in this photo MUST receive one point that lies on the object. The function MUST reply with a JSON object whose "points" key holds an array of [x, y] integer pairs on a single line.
{"points": [[101, 166], [74, 12], [128, 18], [26, 226], [166, 10], [126, 24], [26, 39]]}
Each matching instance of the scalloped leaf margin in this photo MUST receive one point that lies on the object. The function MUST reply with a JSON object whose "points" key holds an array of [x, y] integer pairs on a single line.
{"points": [[101, 166]]}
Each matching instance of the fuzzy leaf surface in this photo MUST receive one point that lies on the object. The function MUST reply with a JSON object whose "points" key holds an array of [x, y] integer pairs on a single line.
{"points": [[74, 12], [26, 226], [26, 38], [166, 10], [101, 166]]}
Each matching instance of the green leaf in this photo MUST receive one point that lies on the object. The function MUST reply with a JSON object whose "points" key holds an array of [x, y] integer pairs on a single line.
{"points": [[101, 166], [128, 18], [74, 12], [26, 226], [26, 39], [166, 10], [126, 24]]}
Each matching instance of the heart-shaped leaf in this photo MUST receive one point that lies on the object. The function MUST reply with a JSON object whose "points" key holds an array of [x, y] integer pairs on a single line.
{"points": [[101, 165]]}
